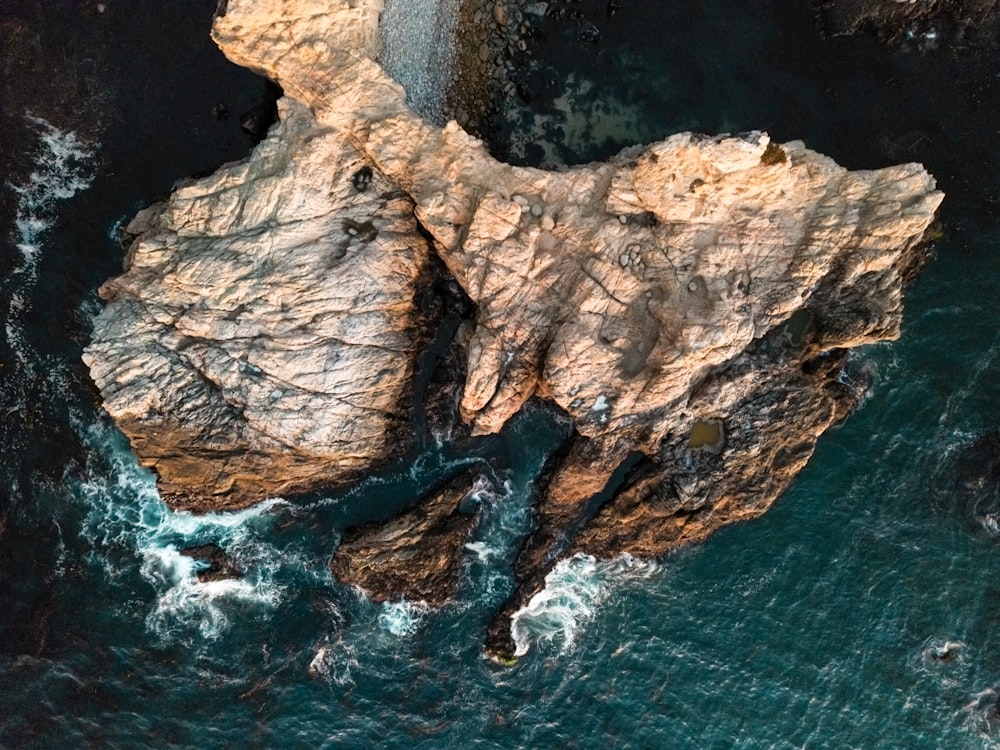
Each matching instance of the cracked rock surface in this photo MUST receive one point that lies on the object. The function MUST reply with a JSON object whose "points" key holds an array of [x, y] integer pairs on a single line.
{"points": [[262, 339]]}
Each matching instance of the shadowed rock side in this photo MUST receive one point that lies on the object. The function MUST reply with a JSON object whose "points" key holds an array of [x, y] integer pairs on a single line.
{"points": [[686, 304], [770, 408], [417, 554]]}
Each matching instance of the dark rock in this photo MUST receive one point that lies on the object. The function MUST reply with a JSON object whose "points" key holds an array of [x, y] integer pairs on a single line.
{"points": [[921, 24], [686, 493], [220, 566], [415, 555], [362, 179], [588, 34], [967, 485], [256, 121]]}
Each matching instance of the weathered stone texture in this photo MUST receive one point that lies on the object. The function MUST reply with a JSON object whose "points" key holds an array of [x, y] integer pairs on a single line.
{"points": [[262, 340]]}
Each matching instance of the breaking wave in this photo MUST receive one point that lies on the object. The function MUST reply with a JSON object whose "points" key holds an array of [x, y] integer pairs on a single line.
{"points": [[126, 523], [402, 618], [574, 591]]}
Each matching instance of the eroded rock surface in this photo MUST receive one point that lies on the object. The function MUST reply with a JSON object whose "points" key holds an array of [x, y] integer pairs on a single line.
{"points": [[696, 287], [262, 339]]}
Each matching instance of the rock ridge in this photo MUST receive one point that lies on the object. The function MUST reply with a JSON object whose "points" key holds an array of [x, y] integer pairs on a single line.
{"points": [[688, 305]]}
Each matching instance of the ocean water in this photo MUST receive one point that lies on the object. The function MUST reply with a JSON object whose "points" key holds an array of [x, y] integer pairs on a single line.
{"points": [[862, 611]]}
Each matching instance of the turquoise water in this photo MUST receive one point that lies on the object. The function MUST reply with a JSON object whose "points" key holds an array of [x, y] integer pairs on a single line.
{"points": [[861, 611]]}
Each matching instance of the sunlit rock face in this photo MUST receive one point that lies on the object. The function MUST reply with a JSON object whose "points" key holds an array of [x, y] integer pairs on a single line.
{"points": [[262, 339], [697, 284]]}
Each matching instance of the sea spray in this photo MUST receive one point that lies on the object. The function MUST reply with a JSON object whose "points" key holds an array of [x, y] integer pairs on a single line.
{"points": [[31, 383], [402, 618], [334, 662], [489, 554], [128, 525], [418, 49], [63, 168], [574, 591]]}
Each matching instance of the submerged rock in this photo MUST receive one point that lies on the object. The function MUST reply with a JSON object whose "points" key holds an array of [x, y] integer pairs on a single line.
{"points": [[218, 565], [923, 22], [699, 285], [966, 485]]}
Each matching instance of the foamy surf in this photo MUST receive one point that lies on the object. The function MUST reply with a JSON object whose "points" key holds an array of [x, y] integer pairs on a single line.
{"points": [[574, 591], [506, 518], [128, 525], [981, 717], [402, 618]]}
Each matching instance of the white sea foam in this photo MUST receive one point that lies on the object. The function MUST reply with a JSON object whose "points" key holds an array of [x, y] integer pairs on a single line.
{"points": [[63, 168], [483, 551], [402, 618], [573, 592], [937, 651], [981, 716], [334, 663], [319, 665], [506, 517], [125, 519]]}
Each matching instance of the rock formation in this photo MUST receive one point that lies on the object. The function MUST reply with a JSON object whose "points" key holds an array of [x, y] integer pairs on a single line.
{"points": [[262, 340], [896, 21], [215, 564], [686, 304], [416, 554]]}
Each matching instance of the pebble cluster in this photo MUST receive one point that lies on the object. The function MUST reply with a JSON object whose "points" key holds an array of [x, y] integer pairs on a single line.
{"points": [[492, 35]]}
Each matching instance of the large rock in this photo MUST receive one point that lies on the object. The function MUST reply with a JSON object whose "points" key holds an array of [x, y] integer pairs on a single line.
{"points": [[896, 21], [417, 554], [262, 339], [686, 304]]}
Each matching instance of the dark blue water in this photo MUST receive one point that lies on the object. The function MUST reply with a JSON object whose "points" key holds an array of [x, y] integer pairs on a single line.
{"points": [[862, 611]]}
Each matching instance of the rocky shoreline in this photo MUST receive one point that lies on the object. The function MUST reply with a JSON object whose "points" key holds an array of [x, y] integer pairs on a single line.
{"points": [[497, 42], [491, 33], [688, 306]]}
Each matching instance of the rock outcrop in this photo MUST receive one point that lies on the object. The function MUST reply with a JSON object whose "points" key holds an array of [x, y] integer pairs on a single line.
{"points": [[896, 21], [417, 554], [263, 337], [215, 563], [687, 305]]}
